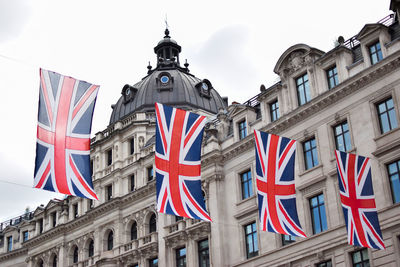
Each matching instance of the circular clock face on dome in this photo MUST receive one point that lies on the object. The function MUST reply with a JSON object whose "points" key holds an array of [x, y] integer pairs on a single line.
{"points": [[164, 79], [128, 92], [204, 86]]}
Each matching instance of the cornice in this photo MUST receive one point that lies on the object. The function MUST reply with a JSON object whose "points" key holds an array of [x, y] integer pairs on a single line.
{"points": [[238, 148], [13, 253]]}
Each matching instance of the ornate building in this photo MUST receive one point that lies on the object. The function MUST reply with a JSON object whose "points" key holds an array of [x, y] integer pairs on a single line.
{"points": [[347, 99]]}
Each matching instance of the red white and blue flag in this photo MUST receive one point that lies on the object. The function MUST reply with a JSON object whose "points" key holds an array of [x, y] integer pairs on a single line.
{"points": [[275, 158], [358, 200], [63, 135], [179, 136]]}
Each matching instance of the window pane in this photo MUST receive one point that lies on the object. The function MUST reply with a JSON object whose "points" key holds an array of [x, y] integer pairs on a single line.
{"points": [[392, 118]]}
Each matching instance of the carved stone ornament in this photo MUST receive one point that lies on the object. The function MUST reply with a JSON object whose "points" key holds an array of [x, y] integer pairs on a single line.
{"points": [[296, 61]]}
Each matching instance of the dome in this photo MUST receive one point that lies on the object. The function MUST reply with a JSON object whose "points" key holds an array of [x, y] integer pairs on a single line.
{"points": [[169, 84]]}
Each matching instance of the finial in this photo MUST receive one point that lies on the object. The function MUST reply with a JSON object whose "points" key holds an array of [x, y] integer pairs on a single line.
{"points": [[186, 64], [149, 68]]}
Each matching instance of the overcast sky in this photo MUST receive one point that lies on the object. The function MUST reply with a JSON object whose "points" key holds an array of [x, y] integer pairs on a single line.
{"points": [[234, 44]]}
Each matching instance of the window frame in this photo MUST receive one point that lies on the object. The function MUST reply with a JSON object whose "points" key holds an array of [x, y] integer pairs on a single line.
{"points": [[200, 251], [110, 240], [395, 199], [362, 260], [305, 151], [386, 112], [109, 192], [91, 248], [132, 183], [9, 243], [75, 255], [132, 145], [343, 135], [245, 194], [321, 218], [151, 262], [274, 110], [242, 129], [153, 224], [324, 263], [378, 52], [302, 89], [150, 173], [134, 234], [290, 240], [332, 75], [25, 238], [254, 240], [109, 160], [179, 258]]}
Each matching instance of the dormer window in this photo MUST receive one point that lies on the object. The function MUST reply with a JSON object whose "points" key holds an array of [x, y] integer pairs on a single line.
{"points": [[204, 88], [303, 89], [164, 81], [375, 53], [128, 93]]}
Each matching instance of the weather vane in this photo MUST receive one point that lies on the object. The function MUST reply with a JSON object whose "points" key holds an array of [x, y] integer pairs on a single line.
{"points": [[166, 21]]}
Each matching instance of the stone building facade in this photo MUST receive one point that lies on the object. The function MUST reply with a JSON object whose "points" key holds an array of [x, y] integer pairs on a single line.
{"points": [[347, 98]]}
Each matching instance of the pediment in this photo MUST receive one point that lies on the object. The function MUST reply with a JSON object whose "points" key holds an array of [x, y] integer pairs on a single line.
{"points": [[369, 29]]}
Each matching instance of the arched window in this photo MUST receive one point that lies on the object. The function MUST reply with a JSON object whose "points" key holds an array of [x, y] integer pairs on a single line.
{"points": [[110, 240], [40, 263], [75, 255], [91, 248], [55, 261], [134, 231], [153, 224]]}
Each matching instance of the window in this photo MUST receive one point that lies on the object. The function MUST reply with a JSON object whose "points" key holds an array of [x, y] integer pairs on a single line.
{"points": [[40, 263], [242, 129], [40, 226], [288, 239], [9, 243], [91, 248], [153, 262], [109, 192], [54, 261], [394, 173], [153, 224], [150, 173], [310, 153], [318, 215], [375, 53], [109, 157], [332, 76], [342, 137], [274, 110], [91, 204], [25, 236], [203, 251], [325, 264], [134, 231], [360, 258], [247, 188], [54, 219], [303, 90], [387, 115], [131, 145], [250, 231], [75, 210], [91, 167], [110, 240], [75, 255], [132, 180], [178, 218], [180, 256]]}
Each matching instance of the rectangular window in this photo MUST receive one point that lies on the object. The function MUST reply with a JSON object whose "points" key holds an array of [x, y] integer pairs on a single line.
{"points": [[75, 210], [109, 192], [132, 181], [9, 243], [246, 183], [40, 226], [288, 239], [342, 137], [318, 215], [310, 153], [25, 236], [387, 115], [180, 257], [303, 90], [150, 174], [91, 166], [324, 264], [91, 204], [109, 157], [203, 250], [394, 174], [250, 231], [131, 145], [54, 219], [153, 262], [360, 258], [332, 76], [242, 129], [375, 53], [274, 110]]}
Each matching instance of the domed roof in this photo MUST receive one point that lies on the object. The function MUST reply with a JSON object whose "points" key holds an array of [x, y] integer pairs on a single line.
{"points": [[169, 84]]}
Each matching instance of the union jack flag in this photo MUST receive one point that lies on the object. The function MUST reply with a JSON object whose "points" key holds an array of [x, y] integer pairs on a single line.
{"points": [[358, 200], [275, 156], [178, 149], [63, 135]]}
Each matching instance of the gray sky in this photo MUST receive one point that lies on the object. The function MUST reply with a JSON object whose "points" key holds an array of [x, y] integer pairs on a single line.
{"points": [[234, 44]]}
